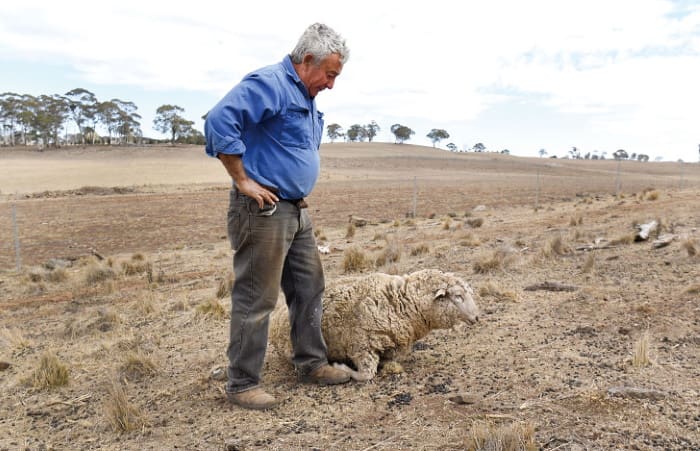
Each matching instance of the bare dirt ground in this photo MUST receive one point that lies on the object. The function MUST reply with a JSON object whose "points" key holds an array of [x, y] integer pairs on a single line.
{"points": [[610, 363]]}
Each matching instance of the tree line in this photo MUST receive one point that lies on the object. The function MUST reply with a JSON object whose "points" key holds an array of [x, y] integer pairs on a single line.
{"points": [[44, 121], [360, 133]]}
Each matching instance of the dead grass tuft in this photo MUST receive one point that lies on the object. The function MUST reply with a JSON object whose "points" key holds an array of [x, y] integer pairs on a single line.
{"points": [[693, 289], [355, 260], [510, 437], [12, 338], [640, 355], [138, 257], [318, 233], [468, 239], [137, 365], [690, 247], [576, 220], [555, 247], [499, 259], [51, 373], [475, 222], [390, 254], [98, 274], [419, 250], [104, 321], [225, 287], [350, 232], [119, 412], [212, 308], [490, 289], [136, 267]]}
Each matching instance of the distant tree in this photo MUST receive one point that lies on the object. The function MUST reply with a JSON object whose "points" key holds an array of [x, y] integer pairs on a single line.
{"points": [[169, 121], [542, 152], [357, 132], [451, 147], [642, 157], [505, 152], [82, 104], [437, 134], [50, 112], [334, 132], [603, 154], [587, 156], [109, 114], [10, 110], [620, 154], [478, 147], [371, 130], [658, 159], [401, 133], [575, 153], [633, 156]]}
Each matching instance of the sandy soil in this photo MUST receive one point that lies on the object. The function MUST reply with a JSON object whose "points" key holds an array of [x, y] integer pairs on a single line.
{"points": [[542, 366]]}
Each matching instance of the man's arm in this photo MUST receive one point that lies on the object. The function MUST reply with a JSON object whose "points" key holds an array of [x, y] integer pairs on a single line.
{"points": [[246, 185]]}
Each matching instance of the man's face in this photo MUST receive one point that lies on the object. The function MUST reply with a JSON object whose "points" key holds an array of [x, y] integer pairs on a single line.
{"points": [[316, 78]]}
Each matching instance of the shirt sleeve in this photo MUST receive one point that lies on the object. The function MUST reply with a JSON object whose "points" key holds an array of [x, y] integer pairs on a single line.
{"points": [[255, 99]]}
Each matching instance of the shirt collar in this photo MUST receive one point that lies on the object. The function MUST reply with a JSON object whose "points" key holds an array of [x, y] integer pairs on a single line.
{"points": [[289, 68]]}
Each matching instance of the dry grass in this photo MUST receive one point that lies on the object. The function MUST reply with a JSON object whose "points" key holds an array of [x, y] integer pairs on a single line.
{"points": [[98, 274], [420, 249], [225, 287], [640, 356], [137, 365], [211, 308], [589, 264], [350, 231], [447, 223], [133, 268], [510, 437], [105, 320], [355, 260], [13, 339], [51, 373], [119, 412], [690, 247], [491, 289], [390, 254], [498, 260], [576, 220], [475, 222], [468, 239], [555, 247], [692, 290]]}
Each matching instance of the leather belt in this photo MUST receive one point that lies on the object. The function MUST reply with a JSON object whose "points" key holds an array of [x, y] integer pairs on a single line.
{"points": [[299, 203]]}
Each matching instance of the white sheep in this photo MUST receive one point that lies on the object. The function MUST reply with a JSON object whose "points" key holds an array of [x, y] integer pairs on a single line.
{"points": [[368, 318]]}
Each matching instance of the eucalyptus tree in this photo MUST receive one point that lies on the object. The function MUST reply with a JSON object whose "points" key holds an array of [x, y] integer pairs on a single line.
{"points": [[371, 130], [48, 114], [109, 115], [169, 121], [82, 104], [128, 124], [401, 133], [436, 135], [334, 131], [357, 132], [10, 108]]}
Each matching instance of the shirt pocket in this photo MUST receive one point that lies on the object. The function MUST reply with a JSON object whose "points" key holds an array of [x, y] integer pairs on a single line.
{"points": [[297, 127]]}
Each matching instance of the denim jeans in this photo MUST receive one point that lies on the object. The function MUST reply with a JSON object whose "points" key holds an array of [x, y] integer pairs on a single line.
{"points": [[272, 249]]}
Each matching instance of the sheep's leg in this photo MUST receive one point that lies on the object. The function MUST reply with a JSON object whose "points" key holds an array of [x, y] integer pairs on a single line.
{"points": [[366, 364]]}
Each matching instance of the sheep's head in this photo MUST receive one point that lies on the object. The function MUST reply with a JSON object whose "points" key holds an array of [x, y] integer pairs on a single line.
{"points": [[454, 301]]}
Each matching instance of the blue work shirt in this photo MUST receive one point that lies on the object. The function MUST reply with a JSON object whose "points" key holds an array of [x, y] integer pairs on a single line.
{"points": [[270, 120]]}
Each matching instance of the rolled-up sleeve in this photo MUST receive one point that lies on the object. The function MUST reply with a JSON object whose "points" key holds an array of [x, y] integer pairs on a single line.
{"points": [[252, 101]]}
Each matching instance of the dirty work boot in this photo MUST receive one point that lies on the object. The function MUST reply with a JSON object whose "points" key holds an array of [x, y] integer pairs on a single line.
{"points": [[256, 399], [326, 375]]}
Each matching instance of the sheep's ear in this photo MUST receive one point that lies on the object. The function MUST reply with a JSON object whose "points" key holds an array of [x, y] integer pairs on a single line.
{"points": [[440, 293]]}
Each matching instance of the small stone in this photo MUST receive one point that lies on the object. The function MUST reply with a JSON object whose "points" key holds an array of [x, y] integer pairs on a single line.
{"points": [[463, 398], [218, 373], [4, 365]]}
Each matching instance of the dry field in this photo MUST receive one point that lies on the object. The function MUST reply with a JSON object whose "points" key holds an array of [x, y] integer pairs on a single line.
{"points": [[112, 331]]}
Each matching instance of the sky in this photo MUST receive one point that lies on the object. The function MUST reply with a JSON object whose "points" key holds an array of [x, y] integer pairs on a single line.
{"points": [[598, 75]]}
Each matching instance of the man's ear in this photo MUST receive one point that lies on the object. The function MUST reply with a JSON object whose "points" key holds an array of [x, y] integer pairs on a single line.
{"points": [[308, 59]]}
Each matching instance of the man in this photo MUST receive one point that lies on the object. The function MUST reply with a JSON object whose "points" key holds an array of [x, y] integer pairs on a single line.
{"points": [[266, 131]]}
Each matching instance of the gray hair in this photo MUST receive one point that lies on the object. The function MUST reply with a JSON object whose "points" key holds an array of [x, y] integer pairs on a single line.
{"points": [[320, 40]]}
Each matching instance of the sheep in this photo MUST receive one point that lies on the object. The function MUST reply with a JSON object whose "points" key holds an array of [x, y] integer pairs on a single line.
{"points": [[368, 318]]}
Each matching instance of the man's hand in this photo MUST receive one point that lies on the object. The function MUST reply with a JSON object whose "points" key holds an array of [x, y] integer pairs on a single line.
{"points": [[246, 185], [255, 191]]}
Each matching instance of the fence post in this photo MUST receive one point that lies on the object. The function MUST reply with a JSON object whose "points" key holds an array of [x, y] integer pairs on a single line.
{"points": [[680, 181], [415, 195], [537, 195], [617, 178], [15, 231]]}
